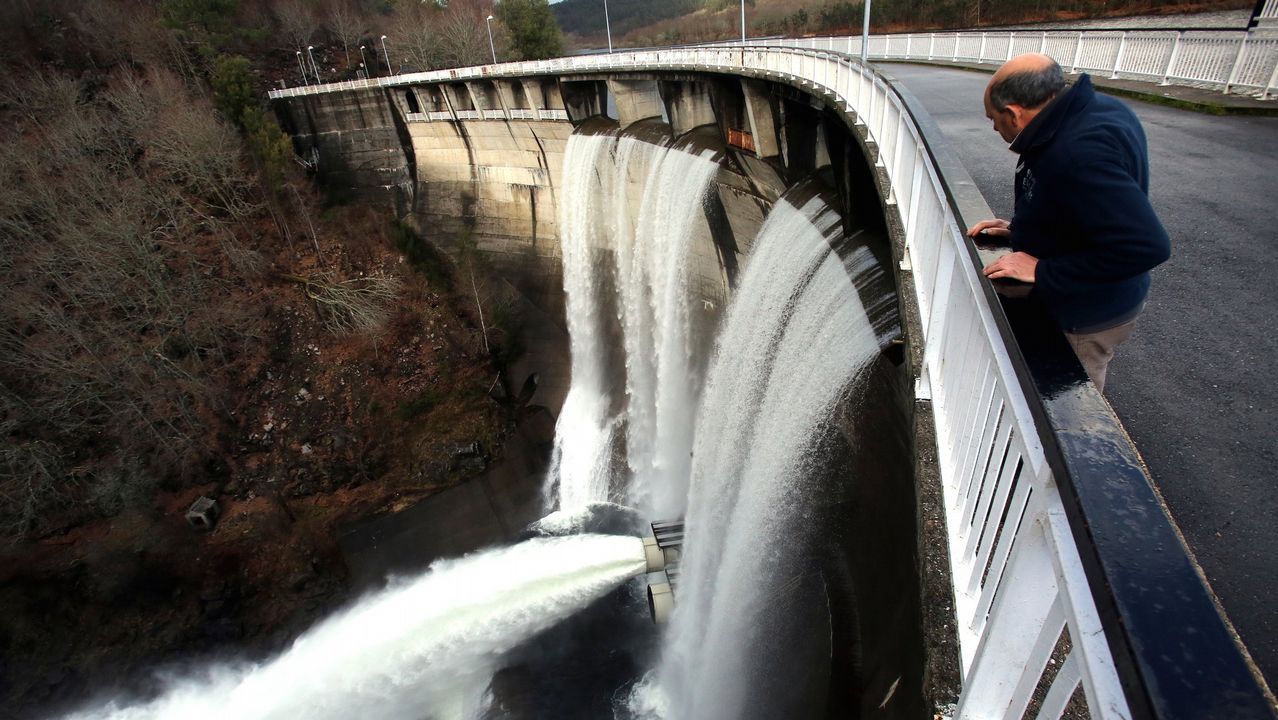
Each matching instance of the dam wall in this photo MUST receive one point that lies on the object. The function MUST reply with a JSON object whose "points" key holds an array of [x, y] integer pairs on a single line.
{"points": [[1025, 482], [476, 165], [493, 184]]}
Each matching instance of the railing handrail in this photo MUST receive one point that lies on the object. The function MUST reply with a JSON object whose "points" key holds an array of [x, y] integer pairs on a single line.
{"points": [[1228, 60], [1019, 577], [1234, 60]]}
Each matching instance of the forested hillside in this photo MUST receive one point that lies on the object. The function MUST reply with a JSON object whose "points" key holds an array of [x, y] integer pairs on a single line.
{"points": [[183, 314], [639, 23], [586, 17]]}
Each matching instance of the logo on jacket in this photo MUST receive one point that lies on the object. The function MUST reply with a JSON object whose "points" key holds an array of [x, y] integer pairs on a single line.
{"points": [[1027, 185]]}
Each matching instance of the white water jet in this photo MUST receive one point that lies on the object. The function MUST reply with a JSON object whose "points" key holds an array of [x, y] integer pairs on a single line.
{"points": [[423, 648], [640, 203], [794, 340]]}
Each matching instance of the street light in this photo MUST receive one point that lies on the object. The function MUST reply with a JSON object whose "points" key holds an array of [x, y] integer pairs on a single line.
{"points": [[491, 46], [310, 51], [743, 33], [388, 65], [608, 26], [865, 35], [302, 68], [363, 61]]}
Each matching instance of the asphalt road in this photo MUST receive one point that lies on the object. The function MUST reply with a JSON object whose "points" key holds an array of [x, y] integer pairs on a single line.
{"points": [[1195, 385]]}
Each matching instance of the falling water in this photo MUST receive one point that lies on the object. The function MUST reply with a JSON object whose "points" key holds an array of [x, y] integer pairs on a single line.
{"points": [[640, 203], [579, 472], [653, 280], [794, 340], [403, 653]]}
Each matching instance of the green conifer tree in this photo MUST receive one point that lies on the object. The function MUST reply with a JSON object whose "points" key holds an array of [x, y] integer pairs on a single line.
{"points": [[533, 30]]}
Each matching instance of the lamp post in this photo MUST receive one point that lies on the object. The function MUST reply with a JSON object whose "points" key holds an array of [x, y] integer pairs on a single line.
{"points": [[608, 26], [310, 52], [743, 33], [865, 35], [388, 65], [302, 68], [491, 46], [363, 61]]}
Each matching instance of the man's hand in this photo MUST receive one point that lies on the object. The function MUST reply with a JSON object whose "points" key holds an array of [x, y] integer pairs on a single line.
{"points": [[1014, 266], [995, 228]]}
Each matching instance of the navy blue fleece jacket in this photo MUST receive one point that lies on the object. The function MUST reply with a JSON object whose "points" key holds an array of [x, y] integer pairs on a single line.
{"points": [[1082, 209]]}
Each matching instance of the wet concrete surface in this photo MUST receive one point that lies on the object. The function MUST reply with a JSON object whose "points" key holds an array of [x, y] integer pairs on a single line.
{"points": [[1193, 386]]}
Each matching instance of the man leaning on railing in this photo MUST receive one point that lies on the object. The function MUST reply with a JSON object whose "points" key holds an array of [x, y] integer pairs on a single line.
{"points": [[1083, 231]]}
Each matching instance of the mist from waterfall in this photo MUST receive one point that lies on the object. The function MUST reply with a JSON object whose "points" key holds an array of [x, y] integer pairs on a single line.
{"points": [[421, 648], [627, 214]]}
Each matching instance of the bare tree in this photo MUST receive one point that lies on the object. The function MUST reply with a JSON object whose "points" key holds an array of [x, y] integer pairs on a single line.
{"points": [[346, 24], [113, 323], [358, 305], [298, 20], [463, 32], [416, 33]]}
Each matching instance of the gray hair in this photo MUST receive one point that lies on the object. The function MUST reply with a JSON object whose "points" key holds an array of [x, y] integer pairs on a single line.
{"points": [[1029, 88]]}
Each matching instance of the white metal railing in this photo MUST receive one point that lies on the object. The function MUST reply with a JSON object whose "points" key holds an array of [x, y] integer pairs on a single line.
{"points": [[1231, 61], [1018, 578]]}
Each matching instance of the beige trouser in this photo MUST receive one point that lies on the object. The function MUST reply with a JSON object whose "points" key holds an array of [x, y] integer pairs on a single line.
{"points": [[1095, 350]]}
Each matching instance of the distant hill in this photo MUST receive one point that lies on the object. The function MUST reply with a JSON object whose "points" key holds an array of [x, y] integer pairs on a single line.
{"points": [[586, 17], [665, 22]]}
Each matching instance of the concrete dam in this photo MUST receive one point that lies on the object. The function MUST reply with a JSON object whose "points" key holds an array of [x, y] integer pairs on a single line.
{"points": [[713, 258], [750, 308]]}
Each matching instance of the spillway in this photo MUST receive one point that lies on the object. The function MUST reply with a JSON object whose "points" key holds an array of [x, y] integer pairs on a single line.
{"points": [[840, 529], [626, 228], [716, 251], [739, 442]]}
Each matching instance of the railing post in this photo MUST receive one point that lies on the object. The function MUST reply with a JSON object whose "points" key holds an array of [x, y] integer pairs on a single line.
{"points": [[1233, 72], [1272, 84], [1042, 44], [1078, 51], [1027, 604], [931, 45], [1011, 43], [980, 57], [1118, 60], [1171, 61]]}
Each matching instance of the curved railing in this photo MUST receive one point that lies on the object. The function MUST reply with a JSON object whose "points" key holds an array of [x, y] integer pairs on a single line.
{"points": [[1227, 60], [1018, 463]]}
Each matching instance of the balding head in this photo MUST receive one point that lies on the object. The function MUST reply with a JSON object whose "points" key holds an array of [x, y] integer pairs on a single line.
{"points": [[1019, 90], [1029, 80]]}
